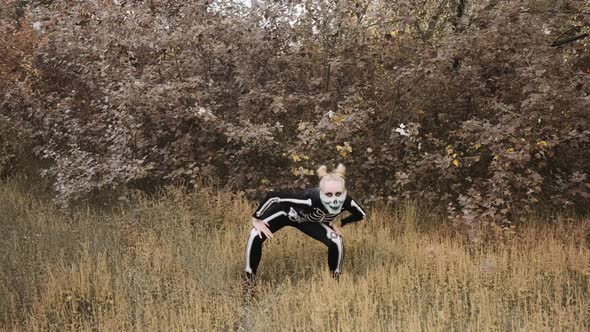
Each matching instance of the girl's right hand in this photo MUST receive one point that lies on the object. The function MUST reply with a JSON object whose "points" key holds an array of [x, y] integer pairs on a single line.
{"points": [[262, 228]]}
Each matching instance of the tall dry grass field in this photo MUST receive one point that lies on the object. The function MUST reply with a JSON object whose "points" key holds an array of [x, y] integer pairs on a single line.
{"points": [[175, 263]]}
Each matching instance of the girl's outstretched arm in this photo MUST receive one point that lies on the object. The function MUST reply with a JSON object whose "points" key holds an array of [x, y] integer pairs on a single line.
{"points": [[356, 211], [274, 197]]}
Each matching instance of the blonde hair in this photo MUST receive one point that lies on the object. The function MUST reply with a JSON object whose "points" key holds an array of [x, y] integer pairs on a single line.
{"points": [[337, 174]]}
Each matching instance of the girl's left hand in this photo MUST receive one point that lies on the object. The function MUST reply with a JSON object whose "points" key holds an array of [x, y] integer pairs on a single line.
{"points": [[336, 229]]}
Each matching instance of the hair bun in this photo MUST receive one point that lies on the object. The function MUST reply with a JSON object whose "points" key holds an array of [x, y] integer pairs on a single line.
{"points": [[322, 171], [340, 170]]}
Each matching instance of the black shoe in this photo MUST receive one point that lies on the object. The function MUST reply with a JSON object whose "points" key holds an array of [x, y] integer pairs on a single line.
{"points": [[250, 278], [249, 282], [249, 287], [335, 276]]}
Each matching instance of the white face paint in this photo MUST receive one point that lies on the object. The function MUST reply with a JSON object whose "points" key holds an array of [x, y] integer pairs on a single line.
{"points": [[333, 196]]}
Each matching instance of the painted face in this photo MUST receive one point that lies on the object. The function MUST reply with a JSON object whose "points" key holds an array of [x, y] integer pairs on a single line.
{"points": [[332, 196]]}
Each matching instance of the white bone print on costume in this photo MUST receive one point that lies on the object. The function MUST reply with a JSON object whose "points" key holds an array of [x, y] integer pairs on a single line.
{"points": [[253, 234], [317, 215], [274, 200], [338, 240]]}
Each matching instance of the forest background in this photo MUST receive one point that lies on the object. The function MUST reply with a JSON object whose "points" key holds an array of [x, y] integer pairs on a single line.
{"points": [[135, 134], [461, 104]]}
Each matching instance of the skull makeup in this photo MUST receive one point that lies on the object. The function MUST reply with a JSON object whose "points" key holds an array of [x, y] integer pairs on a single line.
{"points": [[332, 189], [333, 204]]}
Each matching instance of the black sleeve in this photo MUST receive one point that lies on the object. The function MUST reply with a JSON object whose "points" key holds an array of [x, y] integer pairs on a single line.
{"points": [[273, 197], [356, 211]]}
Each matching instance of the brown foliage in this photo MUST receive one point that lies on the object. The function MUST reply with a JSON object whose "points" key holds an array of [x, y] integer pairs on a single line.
{"points": [[462, 104]]}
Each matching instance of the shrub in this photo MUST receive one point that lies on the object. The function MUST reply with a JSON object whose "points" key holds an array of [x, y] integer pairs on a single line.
{"points": [[461, 104]]}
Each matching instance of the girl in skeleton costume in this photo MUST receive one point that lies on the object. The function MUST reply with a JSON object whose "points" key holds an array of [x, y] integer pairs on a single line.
{"points": [[312, 211]]}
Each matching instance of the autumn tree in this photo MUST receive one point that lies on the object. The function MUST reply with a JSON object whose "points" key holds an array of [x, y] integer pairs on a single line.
{"points": [[464, 105]]}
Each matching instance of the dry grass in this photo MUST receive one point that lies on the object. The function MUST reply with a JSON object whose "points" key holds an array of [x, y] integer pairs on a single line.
{"points": [[174, 263]]}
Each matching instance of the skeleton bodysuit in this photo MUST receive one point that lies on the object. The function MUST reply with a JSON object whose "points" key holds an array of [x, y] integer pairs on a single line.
{"points": [[310, 212]]}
